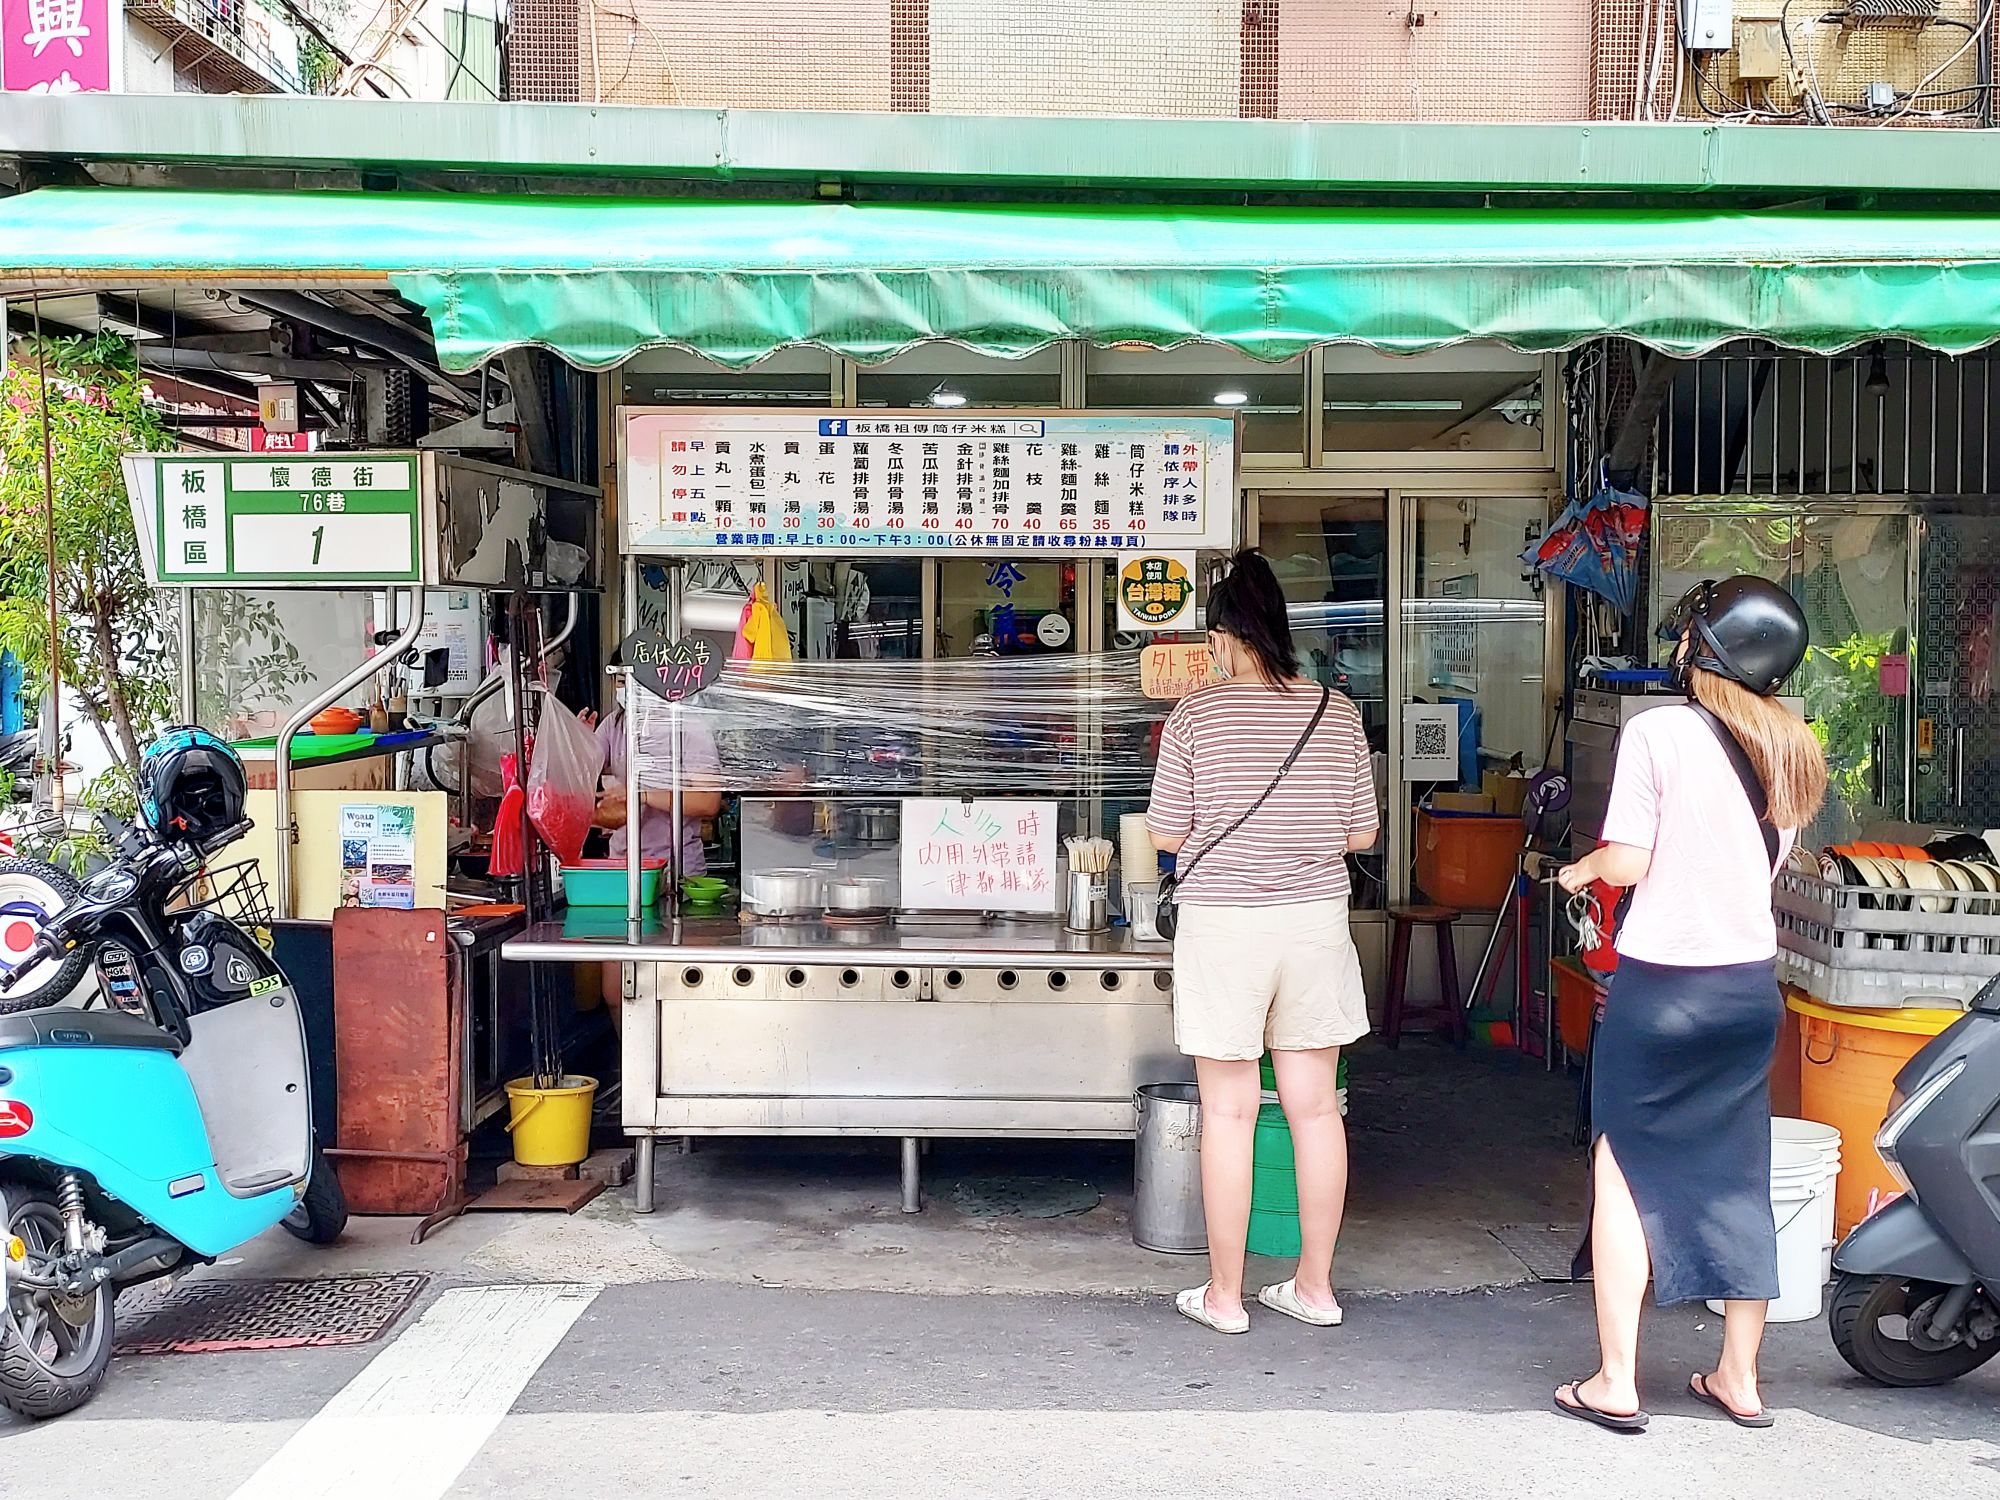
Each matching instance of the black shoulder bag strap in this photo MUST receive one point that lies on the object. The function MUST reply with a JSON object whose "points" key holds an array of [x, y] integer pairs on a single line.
{"points": [[1180, 874], [1746, 773]]}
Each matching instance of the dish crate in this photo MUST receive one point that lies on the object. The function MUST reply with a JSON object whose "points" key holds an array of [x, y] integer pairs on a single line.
{"points": [[1868, 948]]}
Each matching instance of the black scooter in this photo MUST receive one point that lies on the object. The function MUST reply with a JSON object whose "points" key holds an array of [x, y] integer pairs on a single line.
{"points": [[1918, 1297]]}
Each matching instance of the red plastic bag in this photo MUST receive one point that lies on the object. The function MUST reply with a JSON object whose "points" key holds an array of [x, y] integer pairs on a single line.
{"points": [[509, 858], [562, 780]]}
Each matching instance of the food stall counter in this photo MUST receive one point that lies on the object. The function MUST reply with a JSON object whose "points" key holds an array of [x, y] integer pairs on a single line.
{"points": [[594, 934]]}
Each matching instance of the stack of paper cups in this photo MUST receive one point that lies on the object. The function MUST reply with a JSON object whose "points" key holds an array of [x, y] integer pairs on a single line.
{"points": [[1138, 860]]}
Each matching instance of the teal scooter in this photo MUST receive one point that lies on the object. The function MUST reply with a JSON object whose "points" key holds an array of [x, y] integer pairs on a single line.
{"points": [[168, 1127]]}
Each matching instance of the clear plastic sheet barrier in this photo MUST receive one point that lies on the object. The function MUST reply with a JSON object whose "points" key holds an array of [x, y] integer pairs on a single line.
{"points": [[1070, 725]]}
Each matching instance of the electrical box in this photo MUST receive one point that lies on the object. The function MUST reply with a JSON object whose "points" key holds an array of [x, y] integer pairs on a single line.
{"points": [[1760, 51], [1708, 25]]}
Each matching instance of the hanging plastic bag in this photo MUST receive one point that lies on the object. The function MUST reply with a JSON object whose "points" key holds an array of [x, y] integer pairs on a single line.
{"points": [[562, 780], [509, 858], [763, 629]]}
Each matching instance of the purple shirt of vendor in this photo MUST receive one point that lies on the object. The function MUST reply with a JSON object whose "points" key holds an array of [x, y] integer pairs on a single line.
{"points": [[699, 766]]}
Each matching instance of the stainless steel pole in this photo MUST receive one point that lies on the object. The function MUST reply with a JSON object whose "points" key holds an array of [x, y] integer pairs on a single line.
{"points": [[633, 865], [379, 662], [676, 580]]}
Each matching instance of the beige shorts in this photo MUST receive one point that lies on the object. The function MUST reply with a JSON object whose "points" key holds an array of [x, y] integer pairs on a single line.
{"points": [[1251, 977]]}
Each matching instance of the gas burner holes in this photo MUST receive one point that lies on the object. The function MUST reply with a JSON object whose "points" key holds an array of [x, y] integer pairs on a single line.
{"points": [[796, 978], [1009, 979], [849, 978], [1058, 980], [743, 977], [691, 978], [953, 979], [901, 979], [1111, 979]]}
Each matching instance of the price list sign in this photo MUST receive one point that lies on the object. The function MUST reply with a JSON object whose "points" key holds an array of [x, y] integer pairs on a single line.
{"points": [[918, 482], [317, 520]]}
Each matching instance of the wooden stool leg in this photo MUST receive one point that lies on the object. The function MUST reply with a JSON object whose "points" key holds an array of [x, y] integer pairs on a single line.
{"points": [[1456, 1025], [1399, 973]]}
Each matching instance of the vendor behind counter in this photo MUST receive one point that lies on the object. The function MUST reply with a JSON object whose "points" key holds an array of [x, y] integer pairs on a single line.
{"points": [[701, 795]]}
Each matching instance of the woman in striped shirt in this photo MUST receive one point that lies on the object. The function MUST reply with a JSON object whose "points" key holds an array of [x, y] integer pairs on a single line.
{"points": [[1263, 957]]}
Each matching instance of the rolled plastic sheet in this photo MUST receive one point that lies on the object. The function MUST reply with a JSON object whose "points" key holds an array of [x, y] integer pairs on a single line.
{"points": [[1056, 725]]}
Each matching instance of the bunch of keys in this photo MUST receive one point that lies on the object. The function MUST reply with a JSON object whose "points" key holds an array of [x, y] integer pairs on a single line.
{"points": [[1586, 915]]}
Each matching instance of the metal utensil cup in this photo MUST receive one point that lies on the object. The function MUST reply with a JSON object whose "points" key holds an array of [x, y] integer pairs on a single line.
{"points": [[1088, 907]]}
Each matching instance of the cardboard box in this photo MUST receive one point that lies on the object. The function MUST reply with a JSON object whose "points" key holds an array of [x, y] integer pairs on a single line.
{"points": [[1462, 802], [1509, 793]]}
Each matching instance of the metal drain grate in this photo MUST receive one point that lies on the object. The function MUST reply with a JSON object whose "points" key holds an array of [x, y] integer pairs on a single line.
{"points": [[1019, 1197], [1547, 1250], [209, 1317]]}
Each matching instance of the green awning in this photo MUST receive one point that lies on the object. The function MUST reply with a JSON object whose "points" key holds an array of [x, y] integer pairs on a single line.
{"points": [[595, 280]]}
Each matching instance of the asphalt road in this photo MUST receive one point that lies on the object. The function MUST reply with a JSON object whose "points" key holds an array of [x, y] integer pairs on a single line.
{"points": [[696, 1389]]}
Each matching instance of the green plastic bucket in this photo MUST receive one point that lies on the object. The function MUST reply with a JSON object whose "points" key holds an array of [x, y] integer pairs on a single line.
{"points": [[1273, 1233], [1274, 1184]]}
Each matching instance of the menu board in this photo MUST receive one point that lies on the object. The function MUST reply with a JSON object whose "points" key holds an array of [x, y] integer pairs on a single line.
{"points": [[978, 855], [880, 482]]}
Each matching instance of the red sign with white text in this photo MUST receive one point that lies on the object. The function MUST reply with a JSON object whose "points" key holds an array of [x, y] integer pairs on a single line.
{"points": [[61, 46], [282, 442]]}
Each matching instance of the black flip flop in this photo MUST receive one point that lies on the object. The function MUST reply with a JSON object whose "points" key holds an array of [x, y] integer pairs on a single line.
{"points": [[1583, 1411], [1698, 1388]]}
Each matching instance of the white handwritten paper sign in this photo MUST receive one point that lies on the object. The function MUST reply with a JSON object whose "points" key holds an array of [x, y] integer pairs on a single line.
{"points": [[983, 855]]}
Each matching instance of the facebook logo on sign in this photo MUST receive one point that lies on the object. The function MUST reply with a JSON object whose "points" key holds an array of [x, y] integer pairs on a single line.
{"points": [[833, 427]]}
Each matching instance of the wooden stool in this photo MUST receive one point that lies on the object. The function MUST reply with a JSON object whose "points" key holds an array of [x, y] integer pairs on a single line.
{"points": [[1448, 1015]]}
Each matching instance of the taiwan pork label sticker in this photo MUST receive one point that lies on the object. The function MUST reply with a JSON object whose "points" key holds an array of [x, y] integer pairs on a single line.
{"points": [[1156, 592], [674, 670]]}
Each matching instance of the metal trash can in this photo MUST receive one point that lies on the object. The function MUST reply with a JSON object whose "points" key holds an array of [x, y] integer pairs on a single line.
{"points": [[1166, 1173]]}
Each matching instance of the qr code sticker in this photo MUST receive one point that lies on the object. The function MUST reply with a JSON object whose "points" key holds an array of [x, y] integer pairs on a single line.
{"points": [[1432, 740]]}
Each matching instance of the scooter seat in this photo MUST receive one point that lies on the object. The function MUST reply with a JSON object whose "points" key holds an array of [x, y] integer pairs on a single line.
{"points": [[82, 1028]]}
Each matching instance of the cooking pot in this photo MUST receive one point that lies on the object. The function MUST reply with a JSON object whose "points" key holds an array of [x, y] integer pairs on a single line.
{"points": [[852, 893], [873, 825], [782, 892]]}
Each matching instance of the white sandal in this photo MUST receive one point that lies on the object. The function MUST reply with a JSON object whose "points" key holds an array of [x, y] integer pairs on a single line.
{"points": [[1193, 1304], [1284, 1298]]}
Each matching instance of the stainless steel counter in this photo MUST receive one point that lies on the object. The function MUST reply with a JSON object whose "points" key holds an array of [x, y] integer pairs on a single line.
{"points": [[588, 934], [900, 1031]]}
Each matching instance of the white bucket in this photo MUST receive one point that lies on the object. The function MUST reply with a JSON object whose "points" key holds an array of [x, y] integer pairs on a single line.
{"points": [[1825, 1139], [1798, 1180]]}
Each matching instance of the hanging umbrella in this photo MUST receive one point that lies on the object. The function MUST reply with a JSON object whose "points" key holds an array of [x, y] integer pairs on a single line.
{"points": [[1595, 544]]}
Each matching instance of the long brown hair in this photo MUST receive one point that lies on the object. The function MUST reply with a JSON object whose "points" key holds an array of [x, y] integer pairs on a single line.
{"points": [[1783, 750]]}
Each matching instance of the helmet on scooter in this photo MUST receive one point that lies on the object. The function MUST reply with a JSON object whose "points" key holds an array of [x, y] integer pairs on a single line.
{"points": [[1746, 629], [191, 786]]}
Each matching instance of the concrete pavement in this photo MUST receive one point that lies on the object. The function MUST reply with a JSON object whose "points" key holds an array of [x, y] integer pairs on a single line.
{"points": [[697, 1388]]}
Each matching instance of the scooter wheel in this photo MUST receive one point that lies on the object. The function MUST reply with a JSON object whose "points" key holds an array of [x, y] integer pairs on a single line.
{"points": [[51, 888], [53, 1352], [321, 1215], [1869, 1319]]}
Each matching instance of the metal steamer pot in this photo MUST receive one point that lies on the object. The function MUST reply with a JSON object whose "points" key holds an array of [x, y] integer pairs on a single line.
{"points": [[858, 893], [874, 826], [783, 892]]}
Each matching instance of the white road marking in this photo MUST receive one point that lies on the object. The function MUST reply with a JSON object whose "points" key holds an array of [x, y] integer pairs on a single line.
{"points": [[409, 1423]]}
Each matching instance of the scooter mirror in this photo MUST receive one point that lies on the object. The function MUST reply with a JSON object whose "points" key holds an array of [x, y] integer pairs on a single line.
{"points": [[1988, 999]]}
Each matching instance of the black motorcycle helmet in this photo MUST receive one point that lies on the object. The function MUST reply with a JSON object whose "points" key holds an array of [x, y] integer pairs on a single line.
{"points": [[1746, 629], [191, 786]]}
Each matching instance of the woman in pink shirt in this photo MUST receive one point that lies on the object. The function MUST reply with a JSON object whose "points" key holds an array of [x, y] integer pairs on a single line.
{"points": [[1704, 803]]}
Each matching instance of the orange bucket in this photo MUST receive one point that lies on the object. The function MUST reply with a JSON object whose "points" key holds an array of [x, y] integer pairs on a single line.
{"points": [[1849, 1060]]}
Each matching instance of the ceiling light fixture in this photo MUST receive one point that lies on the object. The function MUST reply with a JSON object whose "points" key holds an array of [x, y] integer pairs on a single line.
{"points": [[1232, 398], [943, 397]]}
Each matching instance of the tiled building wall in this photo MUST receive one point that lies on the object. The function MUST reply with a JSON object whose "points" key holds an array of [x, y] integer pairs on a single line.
{"points": [[1418, 60]]}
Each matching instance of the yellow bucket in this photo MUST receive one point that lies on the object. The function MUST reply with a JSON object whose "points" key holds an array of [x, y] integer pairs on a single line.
{"points": [[551, 1127]]}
